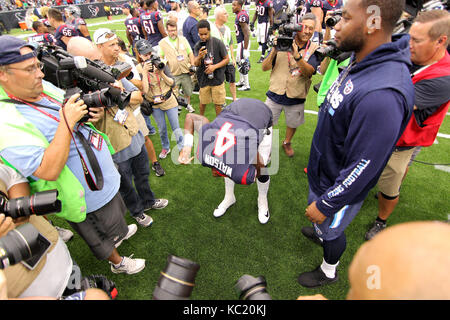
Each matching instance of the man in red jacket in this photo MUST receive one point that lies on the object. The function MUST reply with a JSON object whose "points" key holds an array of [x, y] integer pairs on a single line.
{"points": [[430, 73]]}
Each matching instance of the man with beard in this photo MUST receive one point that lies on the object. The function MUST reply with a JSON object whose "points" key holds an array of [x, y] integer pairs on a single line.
{"points": [[364, 114]]}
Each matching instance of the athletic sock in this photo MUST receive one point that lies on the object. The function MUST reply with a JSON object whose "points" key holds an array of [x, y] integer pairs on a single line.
{"points": [[329, 269]]}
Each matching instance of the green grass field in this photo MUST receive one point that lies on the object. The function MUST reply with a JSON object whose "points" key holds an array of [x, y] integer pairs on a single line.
{"points": [[237, 244]]}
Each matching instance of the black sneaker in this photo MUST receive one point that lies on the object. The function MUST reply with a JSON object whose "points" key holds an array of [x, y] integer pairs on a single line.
{"points": [[260, 60], [315, 278], [309, 233], [376, 228], [159, 171]]}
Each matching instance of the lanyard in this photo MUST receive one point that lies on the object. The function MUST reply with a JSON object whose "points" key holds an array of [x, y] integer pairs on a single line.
{"points": [[90, 154], [157, 79]]}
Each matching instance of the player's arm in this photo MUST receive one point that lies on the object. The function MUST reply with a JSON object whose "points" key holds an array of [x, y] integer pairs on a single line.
{"points": [[84, 30], [193, 122], [161, 28], [271, 16], [317, 11], [246, 32]]}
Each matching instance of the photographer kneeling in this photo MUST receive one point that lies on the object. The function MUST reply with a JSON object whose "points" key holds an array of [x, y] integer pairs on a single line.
{"points": [[157, 83], [292, 63]]}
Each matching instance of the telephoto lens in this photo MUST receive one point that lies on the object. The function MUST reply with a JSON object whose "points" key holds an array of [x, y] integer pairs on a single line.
{"points": [[39, 204], [18, 245], [177, 280], [251, 288]]}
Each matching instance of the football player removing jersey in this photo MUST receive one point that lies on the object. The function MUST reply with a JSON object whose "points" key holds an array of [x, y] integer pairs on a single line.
{"points": [[236, 146]]}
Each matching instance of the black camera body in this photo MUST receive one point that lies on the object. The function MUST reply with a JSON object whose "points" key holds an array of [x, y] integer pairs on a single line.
{"points": [[156, 61], [331, 50], [91, 79], [286, 30], [336, 16]]}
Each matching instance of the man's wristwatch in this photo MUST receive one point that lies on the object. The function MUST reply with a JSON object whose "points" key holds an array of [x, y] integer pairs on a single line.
{"points": [[299, 58]]}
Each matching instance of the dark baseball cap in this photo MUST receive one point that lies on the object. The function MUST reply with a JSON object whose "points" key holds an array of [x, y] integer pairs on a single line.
{"points": [[10, 50], [126, 6], [144, 47]]}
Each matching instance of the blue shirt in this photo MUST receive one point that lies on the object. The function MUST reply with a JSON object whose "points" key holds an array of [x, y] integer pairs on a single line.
{"points": [[27, 159], [190, 31]]}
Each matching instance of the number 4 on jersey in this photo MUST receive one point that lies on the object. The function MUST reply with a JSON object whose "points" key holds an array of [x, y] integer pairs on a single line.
{"points": [[225, 140]]}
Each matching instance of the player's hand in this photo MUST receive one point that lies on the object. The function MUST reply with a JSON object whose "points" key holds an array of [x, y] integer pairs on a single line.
{"points": [[252, 26], [314, 215], [6, 225], [74, 109], [185, 155]]}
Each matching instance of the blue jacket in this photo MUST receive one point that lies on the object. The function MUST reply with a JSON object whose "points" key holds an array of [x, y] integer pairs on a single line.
{"points": [[364, 114]]}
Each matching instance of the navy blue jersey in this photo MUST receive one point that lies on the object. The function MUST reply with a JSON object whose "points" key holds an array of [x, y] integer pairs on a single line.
{"points": [[76, 23], [132, 25], [149, 23], [64, 30], [325, 5], [42, 38], [262, 10], [241, 17], [230, 143]]}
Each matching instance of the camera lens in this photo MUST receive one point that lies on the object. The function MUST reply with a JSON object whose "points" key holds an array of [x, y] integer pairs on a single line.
{"points": [[251, 288], [177, 280], [18, 245], [331, 22], [96, 99], [39, 204]]}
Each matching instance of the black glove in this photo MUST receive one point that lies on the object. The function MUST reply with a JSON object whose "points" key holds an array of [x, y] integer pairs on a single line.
{"points": [[270, 31], [100, 282], [252, 26]]}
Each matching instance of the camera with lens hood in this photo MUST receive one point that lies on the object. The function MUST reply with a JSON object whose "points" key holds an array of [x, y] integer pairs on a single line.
{"points": [[334, 19], [93, 80], [286, 30]]}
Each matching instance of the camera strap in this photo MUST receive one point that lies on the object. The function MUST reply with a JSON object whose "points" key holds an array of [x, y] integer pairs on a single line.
{"points": [[94, 186]]}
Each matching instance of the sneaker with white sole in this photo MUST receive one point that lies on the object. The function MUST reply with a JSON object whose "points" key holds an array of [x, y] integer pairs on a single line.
{"points": [[223, 207], [263, 210], [159, 171], [164, 153], [64, 234], [132, 228], [190, 108], [244, 88], [144, 220], [128, 265], [159, 204]]}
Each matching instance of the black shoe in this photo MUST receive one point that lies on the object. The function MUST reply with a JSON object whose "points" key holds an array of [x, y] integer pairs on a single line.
{"points": [[260, 60], [309, 233], [315, 278], [159, 171], [376, 228]]}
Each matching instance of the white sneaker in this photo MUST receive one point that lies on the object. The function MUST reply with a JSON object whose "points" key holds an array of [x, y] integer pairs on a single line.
{"points": [[244, 88], [129, 266], [144, 220], [263, 210], [64, 234], [132, 228], [223, 207], [190, 108]]}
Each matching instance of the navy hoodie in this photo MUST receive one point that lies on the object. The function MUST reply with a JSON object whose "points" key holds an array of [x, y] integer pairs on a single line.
{"points": [[364, 114]]}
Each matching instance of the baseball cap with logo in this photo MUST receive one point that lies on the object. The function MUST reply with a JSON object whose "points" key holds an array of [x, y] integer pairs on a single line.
{"points": [[103, 35], [10, 50], [144, 47]]}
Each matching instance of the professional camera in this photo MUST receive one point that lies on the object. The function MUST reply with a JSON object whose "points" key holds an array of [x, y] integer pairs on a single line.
{"points": [[91, 79], [286, 30], [251, 288], [336, 16], [146, 107], [177, 279], [331, 50], [156, 61], [40, 203], [18, 245], [193, 69]]}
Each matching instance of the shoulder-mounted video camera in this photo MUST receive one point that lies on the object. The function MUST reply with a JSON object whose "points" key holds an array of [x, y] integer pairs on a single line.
{"points": [[91, 79], [286, 29]]}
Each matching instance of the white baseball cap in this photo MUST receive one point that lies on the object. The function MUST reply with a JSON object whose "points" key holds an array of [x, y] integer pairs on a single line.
{"points": [[103, 35]]}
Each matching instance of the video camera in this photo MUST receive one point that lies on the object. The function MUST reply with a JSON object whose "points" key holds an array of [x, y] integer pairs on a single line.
{"points": [[286, 29], [91, 79]]}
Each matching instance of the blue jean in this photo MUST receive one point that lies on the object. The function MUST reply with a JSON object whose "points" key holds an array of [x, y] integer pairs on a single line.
{"points": [[148, 122], [136, 169], [172, 115]]}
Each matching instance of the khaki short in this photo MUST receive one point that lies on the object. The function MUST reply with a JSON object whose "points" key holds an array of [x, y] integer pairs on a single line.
{"points": [[392, 176], [294, 115], [184, 80], [214, 94]]}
